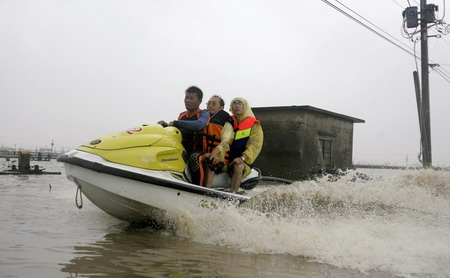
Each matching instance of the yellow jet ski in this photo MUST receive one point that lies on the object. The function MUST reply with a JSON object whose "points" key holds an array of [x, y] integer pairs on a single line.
{"points": [[141, 173]]}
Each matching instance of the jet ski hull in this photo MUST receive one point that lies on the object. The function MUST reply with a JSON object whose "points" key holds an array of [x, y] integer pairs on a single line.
{"points": [[135, 195]]}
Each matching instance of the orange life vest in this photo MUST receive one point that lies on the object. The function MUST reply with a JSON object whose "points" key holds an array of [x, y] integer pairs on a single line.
{"points": [[214, 129], [192, 140], [242, 135]]}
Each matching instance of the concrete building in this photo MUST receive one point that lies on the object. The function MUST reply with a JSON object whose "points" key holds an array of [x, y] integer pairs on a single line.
{"points": [[304, 140]]}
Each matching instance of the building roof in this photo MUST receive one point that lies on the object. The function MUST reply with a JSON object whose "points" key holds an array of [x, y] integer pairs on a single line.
{"points": [[308, 108]]}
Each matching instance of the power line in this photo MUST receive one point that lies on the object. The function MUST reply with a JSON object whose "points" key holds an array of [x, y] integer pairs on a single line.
{"points": [[443, 14], [412, 52], [398, 4], [443, 69], [443, 72], [446, 41], [368, 21], [366, 26], [415, 57], [443, 75]]}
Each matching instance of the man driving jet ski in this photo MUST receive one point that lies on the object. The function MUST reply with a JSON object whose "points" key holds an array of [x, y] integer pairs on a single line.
{"points": [[191, 124]]}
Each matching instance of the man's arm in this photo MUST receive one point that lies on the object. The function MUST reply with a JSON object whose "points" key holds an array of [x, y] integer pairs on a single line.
{"points": [[226, 136], [196, 125]]}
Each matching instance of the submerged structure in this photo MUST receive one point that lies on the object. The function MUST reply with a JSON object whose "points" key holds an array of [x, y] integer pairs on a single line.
{"points": [[300, 141]]}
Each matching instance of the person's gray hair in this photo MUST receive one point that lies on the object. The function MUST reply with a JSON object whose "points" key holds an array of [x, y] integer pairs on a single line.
{"points": [[221, 101]]}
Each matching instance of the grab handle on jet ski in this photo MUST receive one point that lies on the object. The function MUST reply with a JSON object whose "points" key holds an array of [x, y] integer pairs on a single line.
{"points": [[81, 198]]}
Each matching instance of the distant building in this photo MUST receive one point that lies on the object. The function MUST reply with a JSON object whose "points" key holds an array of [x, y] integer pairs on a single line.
{"points": [[304, 140]]}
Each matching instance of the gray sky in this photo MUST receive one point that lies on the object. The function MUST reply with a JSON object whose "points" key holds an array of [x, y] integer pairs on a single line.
{"points": [[72, 70]]}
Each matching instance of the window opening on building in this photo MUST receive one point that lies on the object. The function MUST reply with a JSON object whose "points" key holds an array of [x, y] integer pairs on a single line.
{"points": [[326, 151]]}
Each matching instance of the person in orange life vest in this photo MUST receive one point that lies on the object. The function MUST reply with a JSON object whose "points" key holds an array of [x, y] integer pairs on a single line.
{"points": [[247, 142], [220, 133], [192, 121]]}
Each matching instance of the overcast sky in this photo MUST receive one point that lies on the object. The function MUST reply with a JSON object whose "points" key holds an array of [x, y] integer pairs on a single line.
{"points": [[72, 70]]}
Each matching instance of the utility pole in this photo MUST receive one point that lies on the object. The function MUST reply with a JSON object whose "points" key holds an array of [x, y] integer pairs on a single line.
{"points": [[411, 19], [425, 107]]}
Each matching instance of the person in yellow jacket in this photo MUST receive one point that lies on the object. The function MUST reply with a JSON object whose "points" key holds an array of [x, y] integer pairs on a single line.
{"points": [[247, 142]]}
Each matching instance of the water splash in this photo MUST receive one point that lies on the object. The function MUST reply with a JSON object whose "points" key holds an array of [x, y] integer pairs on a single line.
{"points": [[398, 224]]}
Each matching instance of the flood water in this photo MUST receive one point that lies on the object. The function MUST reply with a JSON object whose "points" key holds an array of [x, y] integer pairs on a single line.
{"points": [[368, 223]]}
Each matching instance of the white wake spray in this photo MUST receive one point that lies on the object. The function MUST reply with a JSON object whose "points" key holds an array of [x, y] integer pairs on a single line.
{"points": [[398, 224]]}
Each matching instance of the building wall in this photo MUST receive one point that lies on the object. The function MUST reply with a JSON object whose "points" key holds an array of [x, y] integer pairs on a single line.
{"points": [[336, 130], [292, 148], [283, 144]]}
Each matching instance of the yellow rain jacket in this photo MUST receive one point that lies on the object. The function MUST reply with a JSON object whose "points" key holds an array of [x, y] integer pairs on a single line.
{"points": [[256, 138]]}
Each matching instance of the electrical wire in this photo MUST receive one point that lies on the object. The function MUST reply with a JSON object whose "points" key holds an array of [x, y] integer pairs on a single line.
{"points": [[443, 15], [366, 26], [443, 75], [415, 56], [444, 69], [406, 34], [398, 4], [441, 70], [412, 53], [446, 41], [374, 25]]}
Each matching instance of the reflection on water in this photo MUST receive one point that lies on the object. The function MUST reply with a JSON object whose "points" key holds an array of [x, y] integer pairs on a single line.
{"points": [[151, 253]]}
